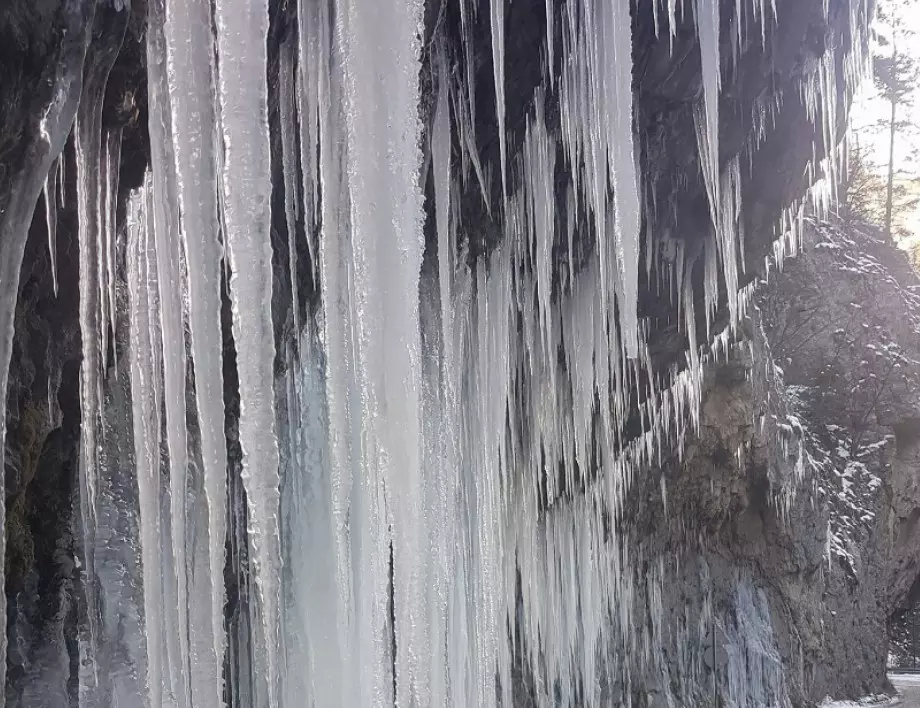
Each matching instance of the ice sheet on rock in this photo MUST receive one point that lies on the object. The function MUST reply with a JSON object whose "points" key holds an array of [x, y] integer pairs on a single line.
{"points": [[755, 673]]}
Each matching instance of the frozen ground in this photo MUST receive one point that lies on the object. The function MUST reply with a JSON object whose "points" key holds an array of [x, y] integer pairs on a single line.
{"points": [[908, 686]]}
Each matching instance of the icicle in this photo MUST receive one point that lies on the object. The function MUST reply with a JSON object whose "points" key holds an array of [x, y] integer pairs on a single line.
{"points": [[624, 177], [706, 118], [440, 153], [312, 73], [498, 71], [466, 24], [597, 114], [728, 233], [49, 194], [172, 346], [88, 143], [440, 398], [739, 32], [468, 141], [111, 165], [242, 32], [62, 178], [289, 167], [550, 41], [312, 656], [539, 174], [711, 281], [146, 427], [386, 254], [191, 85], [337, 323], [87, 149], [672, 20]]}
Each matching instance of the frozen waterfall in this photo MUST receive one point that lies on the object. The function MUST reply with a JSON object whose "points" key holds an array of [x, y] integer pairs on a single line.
{"points": [[344, 458]]}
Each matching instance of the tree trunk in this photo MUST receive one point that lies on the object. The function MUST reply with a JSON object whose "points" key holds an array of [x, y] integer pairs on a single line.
{"points": [[889, 197]]}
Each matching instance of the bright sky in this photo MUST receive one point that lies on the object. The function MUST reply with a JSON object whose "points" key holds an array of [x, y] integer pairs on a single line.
{"points": [[871, 113], [870, 109]]}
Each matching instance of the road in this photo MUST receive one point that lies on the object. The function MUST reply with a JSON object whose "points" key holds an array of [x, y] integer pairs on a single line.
{"points": [[909, 688]]}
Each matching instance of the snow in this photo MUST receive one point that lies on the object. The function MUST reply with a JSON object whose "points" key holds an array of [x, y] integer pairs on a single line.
{"points": [[878, 700], [862, 703]]}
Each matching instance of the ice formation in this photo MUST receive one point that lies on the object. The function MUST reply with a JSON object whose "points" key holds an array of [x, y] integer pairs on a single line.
{"points": [[436, 459]]}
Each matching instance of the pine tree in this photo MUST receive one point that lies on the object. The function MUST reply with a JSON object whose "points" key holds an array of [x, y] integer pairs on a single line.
{"points": [[896, 76]]}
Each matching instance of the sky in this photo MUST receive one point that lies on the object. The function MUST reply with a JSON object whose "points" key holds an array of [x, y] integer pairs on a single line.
{"points": [[870, 109], [870, 113]]}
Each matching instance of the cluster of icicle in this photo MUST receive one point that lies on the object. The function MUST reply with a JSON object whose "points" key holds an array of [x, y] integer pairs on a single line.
{"points": [[434, 484]]}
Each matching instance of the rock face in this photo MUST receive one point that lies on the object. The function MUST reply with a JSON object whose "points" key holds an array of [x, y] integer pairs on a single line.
{"points": [[843, 321], [785, 535], [786, 538]]}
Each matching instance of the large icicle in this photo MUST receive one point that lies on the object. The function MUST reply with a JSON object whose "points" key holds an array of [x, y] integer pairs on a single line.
{"points": [[706, 13], [111, 164], [191, 80], [312, 77], [91, 191], [498, 71], [597, 117], [172, 355], [623, 172], [87, 139], [729, 231], [334, 267], [146, 425], [381, 46], [440, 401], [242, 34], [289, 168], [313, 668]]}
